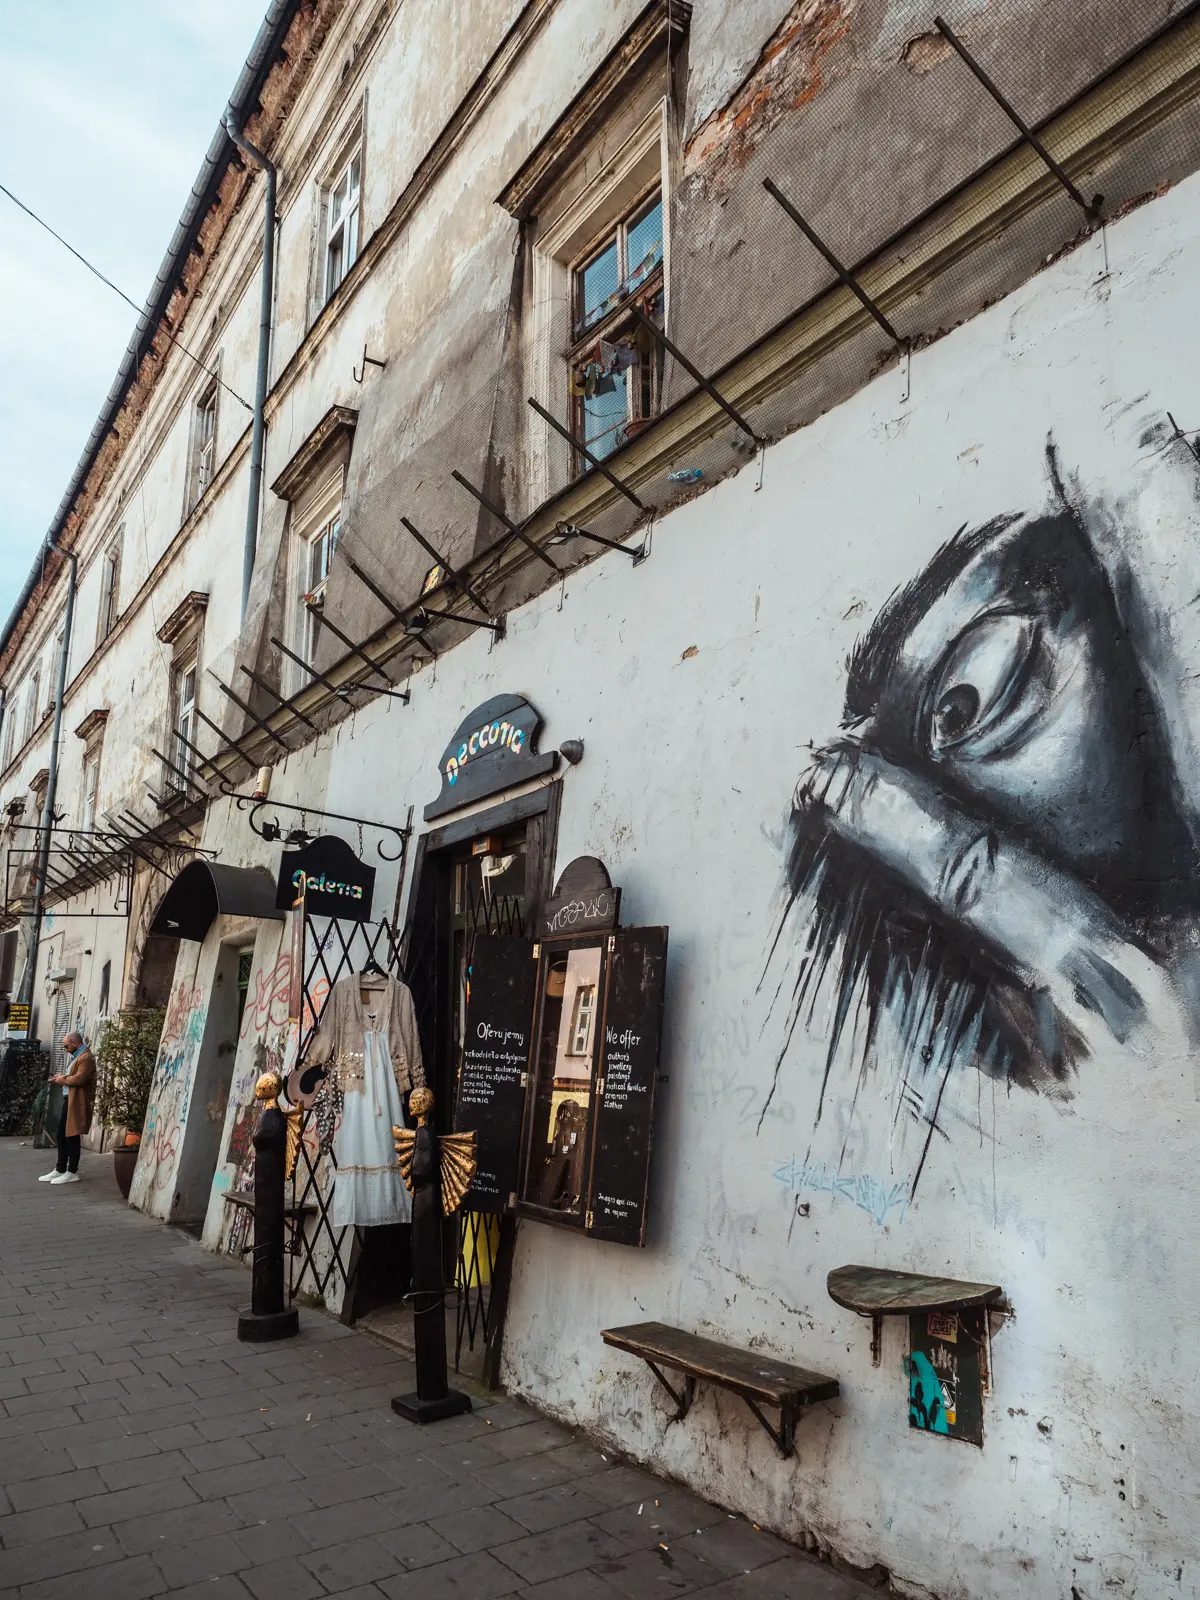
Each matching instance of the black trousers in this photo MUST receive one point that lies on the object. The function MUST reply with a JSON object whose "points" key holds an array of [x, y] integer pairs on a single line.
{"points": [[68, 1148]]}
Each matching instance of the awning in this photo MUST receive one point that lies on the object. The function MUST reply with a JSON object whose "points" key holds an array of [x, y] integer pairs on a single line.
{"points": [[205, 890]]}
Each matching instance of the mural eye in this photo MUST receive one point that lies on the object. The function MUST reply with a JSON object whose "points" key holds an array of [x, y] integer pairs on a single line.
{"points": [[981, 683]]}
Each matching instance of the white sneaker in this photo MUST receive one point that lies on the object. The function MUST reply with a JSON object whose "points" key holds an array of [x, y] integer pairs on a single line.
{"points": [[49, 1177], [65, 1177]]}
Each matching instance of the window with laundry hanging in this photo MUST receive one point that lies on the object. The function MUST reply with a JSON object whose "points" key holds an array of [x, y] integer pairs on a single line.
{"points": [[616, 365]]}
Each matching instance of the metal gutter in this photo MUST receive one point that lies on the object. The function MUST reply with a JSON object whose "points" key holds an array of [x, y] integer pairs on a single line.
{"points": [[242, 104]]}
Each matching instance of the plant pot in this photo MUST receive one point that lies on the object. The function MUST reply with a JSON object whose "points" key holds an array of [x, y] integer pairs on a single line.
{"points": [[124, 1161], [132, 1140]]}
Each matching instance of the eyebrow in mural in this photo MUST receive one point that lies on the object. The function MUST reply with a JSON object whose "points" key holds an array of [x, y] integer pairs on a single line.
{"points": [[982, 859]]}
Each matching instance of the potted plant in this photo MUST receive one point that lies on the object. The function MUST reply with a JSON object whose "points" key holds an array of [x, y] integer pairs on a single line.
{"points": [[126, 1056]]}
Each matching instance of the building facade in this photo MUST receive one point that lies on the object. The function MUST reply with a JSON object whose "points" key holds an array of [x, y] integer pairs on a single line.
{"points": [[891, 722]]}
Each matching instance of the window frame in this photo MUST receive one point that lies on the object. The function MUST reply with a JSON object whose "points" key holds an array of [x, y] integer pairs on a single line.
{"points": [[110, 588], [563, 244], [33, 715], [186, 667], [642, 380], [348, 224], [202, 463], [90, 799]]}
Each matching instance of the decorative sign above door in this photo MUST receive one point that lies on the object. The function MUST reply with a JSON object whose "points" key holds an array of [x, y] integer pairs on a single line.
{"points": [[334, 881], [494, 748], [583, 901]]}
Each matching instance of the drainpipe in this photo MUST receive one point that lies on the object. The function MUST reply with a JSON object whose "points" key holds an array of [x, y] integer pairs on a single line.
{"points": [[258, 433], [46, 823]]}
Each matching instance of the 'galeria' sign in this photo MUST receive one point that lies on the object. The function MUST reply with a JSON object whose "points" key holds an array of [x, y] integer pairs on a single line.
{"points": [[493, 748], [332, 879]]}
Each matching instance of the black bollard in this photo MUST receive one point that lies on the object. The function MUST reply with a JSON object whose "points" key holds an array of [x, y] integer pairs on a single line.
{"points": [[434, 1398], [268, 1316]]}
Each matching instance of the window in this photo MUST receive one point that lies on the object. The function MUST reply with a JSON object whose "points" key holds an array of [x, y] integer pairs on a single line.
{"points": [[342, 222], [55, 663], [33, 702], [91, 788], [110, 590], [183, 723], [204, 444], [616, 367], [318, 560], [10, 726], [581, 1020], [105, 987]]}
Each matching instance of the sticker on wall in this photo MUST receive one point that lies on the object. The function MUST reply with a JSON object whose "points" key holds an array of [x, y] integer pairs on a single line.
{"points": [[946, 1367]]}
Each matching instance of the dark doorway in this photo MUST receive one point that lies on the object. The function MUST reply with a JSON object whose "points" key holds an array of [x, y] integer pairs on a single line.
{"points": [[488, 873]]}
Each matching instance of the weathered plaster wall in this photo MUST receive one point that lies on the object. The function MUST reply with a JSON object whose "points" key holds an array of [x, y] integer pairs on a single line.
{"points": [[701, 704]]}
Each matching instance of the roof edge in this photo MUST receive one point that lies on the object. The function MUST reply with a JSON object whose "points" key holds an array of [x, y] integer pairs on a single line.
{"points": [[264, 54]]}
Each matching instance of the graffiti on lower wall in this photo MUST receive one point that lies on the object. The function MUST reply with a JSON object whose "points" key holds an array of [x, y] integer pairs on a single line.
{"points": [[991, 865], [167, 1111]]}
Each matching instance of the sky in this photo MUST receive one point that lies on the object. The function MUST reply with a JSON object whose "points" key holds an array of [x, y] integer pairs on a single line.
{"points": [[106, 110]]}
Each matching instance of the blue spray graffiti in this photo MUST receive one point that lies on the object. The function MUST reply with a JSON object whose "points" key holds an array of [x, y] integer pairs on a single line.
{"points": [[875, 1196]]}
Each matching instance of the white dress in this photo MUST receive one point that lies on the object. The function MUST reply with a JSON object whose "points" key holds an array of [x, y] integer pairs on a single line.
{"points": [[368, 1190]]}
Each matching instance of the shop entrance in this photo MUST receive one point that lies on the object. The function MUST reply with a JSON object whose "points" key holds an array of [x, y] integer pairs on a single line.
{"points": [[485, 874]]}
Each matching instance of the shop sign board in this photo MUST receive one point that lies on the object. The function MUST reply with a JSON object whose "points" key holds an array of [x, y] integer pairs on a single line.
{"points": [[584, 900], [492, 1080], [493, 748], [628, 1075], [18, 1020], [332, 879]]}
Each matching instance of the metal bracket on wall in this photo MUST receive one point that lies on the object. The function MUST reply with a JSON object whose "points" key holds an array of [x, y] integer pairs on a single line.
{"points": [[357, 650], [1090, 208], [359, 373], [501, 516], [683, 1401], [272, 830], [850, 281], [693, 372]]}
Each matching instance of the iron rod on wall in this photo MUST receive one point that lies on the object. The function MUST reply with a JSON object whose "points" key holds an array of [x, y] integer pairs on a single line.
{"points": [[1090, 208], [500, 516]]}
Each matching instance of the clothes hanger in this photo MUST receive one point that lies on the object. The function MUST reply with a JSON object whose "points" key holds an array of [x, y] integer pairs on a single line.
{"points": [[371, 969]]}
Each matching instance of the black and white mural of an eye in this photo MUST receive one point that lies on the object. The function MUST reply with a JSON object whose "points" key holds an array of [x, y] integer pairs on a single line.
{"points": [[987, 857]]}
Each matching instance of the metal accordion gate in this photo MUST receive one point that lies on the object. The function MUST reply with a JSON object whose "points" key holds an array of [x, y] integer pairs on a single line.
{"points": [[333, 950]]}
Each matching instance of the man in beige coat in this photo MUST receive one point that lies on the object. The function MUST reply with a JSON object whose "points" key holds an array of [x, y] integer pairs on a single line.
{"points": [[80, 1083]]}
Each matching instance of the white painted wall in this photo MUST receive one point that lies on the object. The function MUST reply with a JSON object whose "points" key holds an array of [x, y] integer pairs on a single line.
{"points": [[1079, 1207]]}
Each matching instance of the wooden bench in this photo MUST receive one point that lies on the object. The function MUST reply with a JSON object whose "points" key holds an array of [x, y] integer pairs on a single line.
{"points": [[758, 1379]]}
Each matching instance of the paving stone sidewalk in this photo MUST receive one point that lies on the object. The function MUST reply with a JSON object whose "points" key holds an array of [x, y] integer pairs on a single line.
{"points": [[144, 1451]]}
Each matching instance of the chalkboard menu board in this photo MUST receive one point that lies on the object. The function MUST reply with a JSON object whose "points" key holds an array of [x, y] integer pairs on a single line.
{"points": [[491, 1085], [628, 1070]]}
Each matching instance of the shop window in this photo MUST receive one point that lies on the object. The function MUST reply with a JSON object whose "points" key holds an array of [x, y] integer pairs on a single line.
{"points": [[110, 590], [204, 445], [342, 210]]}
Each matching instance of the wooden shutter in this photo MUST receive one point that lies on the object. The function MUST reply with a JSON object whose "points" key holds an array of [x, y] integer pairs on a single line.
{"points": [[491, 1084], [628, 1070]]}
